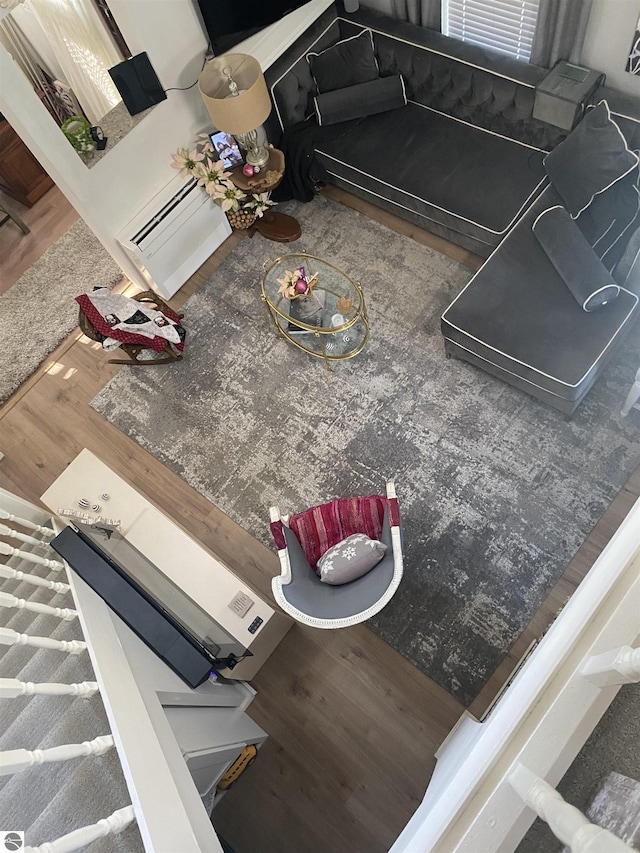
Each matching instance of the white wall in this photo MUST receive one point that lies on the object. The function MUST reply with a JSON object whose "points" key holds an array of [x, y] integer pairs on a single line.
{"points": [[608, 39], [115, 189]]}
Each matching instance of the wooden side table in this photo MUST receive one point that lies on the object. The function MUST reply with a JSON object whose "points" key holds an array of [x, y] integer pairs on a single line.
{"points": [[273, 225]]}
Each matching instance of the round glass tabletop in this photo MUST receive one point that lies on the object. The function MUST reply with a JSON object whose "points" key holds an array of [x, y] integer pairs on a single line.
{"points": [[330, 321]]}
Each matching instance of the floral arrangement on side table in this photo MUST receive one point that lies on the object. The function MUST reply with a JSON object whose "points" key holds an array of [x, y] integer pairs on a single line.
{"points": [[241, 208]]}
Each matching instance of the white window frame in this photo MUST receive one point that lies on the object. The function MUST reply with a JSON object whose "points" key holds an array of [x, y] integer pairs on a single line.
{"points": [[504, 25]]}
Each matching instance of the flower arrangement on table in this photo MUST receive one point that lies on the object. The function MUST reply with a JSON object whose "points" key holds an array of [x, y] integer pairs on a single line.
{"points": [[241, 208], [296, 283]]}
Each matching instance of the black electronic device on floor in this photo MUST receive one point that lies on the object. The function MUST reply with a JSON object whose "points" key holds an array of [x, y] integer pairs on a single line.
{"points": [[180, 632]]}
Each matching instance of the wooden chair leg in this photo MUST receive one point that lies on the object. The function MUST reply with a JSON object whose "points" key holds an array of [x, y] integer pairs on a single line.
{"points": [[5, 207]]}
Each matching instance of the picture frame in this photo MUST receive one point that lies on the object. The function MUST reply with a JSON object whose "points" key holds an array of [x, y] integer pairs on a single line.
{"points": [[226, 148]]}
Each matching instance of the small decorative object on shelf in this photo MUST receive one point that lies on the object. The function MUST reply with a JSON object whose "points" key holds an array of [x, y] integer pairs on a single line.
{"points": [[345, 305], [83, 503], [78, 131], [296, 283], [105, 496], [85, 518], [241, 219], [210, 173], [96, 507]]}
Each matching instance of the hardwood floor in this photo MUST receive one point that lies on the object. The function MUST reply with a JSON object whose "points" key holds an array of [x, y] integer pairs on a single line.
{"points": [[48, 220], [352, 726]]}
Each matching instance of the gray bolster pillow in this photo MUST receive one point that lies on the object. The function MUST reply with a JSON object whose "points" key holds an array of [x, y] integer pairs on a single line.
{"points": [[361, 100], [568, 250]]}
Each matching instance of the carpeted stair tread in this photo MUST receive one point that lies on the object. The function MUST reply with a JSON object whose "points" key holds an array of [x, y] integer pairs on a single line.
{"points": [[94, 790], [48, 796], [63, 669], [13, 658], [616, 807]]}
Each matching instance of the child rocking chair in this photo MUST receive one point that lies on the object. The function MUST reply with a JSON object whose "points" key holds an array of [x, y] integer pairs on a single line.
{"points": [[133, 350]]}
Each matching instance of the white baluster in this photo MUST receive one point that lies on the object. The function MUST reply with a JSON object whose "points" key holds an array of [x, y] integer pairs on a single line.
{"points": [[23, 522], [11, 688], [617, 666], [15, 574], [8, 600], [29, 557], [9, 637], [111, 825], [22, 537], [566, 822], [14, 760]]}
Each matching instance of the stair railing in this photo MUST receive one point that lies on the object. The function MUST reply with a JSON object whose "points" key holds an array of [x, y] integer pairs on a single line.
{"points": [[567, 823], [80, 838], [17, 760], [168, 809]]}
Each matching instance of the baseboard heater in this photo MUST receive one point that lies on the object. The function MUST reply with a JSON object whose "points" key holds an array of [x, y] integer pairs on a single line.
{"points": [[183, 635], [174, 234]]}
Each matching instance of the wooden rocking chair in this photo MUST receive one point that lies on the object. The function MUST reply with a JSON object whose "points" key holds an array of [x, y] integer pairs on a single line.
{"points": [[151, 300]]}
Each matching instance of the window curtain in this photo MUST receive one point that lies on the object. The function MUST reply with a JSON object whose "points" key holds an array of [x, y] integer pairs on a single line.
{"points": [[31, 64], [424, 13], [560, 31], [84, 50]]}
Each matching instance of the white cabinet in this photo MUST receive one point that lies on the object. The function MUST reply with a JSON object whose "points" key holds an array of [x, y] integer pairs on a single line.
{"points": [[211, 584], [211, 739]]}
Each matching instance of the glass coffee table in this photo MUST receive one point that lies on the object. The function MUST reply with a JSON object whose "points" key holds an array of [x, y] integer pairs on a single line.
{"points": [[330, 323]]}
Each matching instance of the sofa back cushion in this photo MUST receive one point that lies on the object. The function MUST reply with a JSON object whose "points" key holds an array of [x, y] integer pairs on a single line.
{"points": [[459, 79], [463, 80]]}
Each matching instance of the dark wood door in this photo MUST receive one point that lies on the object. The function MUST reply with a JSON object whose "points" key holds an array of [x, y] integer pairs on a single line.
{"points": [[21, 176]]}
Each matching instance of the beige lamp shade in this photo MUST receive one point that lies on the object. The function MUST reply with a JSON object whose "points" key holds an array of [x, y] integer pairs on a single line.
{"points": [[250, 107]]}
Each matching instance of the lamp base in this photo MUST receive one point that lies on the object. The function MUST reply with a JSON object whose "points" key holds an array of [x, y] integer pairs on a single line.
{"points": [[257, 157]]}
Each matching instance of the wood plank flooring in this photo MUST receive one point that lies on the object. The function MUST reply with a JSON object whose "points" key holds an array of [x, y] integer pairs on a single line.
{"points": [[48, 220], [353, 726]]}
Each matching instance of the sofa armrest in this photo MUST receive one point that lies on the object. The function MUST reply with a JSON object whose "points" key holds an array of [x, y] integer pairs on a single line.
{"points": [[289, 79]]}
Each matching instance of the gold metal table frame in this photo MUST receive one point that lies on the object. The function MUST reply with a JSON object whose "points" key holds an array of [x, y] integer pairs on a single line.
{"points": [[332, 343]]}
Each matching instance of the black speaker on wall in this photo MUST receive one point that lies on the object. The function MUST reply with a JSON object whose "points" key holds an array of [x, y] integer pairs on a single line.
{"points": [[138, 83]]}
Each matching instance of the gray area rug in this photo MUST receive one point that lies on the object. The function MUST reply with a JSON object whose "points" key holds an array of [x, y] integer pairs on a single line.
{"points": [[497, 491], [39, 311]]}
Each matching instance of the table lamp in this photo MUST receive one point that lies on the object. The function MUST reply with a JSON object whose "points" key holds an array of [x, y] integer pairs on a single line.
{"points": [[235, 94]]}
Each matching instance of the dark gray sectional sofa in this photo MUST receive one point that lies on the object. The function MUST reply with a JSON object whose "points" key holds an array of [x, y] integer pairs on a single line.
{"points": [[440, 161], [464, 159]]}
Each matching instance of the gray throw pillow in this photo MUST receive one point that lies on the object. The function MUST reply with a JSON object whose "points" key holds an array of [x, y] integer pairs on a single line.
{"points": [[361, 100], [350, 559], [581, 269], [590, 160], [345, 63]]}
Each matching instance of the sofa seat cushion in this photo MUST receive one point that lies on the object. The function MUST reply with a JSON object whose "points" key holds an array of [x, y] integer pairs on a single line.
{"points": [[517, 314], [443, 170]]}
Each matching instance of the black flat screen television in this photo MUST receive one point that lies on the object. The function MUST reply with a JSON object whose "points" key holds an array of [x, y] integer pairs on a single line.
{"points": [[229, 22]]}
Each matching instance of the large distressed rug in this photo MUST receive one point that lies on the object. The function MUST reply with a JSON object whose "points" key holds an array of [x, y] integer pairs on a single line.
{"points": [[497, 491], [39, 311]]}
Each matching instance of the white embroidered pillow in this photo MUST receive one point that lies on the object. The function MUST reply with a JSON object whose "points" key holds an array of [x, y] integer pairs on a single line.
{"points": [[350, 559]]}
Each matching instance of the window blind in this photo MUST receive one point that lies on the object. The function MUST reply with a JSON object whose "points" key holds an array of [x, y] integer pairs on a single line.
{"points": [[505, 25]]}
